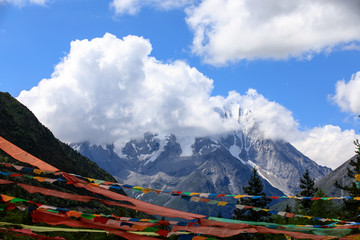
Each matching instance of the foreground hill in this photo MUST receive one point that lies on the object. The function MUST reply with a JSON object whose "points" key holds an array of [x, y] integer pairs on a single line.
{"points": [[20, 126]]}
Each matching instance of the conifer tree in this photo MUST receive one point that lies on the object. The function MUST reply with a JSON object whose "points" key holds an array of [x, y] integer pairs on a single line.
{"points": [[288, 208], [321, 208], [255, 188], [308, 189], [351, 207]]}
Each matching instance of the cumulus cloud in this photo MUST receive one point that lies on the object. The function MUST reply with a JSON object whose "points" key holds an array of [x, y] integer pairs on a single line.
{"points": [[328, 145], [110, 90], [21, 3], [233, 30], [347, 94], [134, 6]]}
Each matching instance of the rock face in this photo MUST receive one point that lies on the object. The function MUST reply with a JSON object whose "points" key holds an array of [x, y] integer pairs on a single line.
{"points": [[217, 164]]}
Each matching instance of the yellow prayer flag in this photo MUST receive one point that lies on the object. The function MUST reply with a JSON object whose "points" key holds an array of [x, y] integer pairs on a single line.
{"points": [[145, 220], [222, 203], [357, 177], [37, 171], [90, 179]]}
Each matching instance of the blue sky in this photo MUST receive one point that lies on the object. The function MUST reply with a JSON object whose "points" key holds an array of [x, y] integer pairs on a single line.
{"points": [[300, 75]]}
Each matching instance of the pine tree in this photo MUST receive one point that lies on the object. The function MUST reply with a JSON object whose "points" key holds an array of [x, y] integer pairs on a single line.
{"points": [[288, 208], [255, 188], [351, 207], [321, 208], [308, 189]]}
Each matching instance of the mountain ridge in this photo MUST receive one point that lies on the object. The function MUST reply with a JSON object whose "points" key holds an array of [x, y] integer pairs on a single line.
{"points": [[327, 183], [218, 164]]}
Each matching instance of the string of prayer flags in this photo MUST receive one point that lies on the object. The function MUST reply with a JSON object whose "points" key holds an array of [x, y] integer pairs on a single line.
{"points": [[112, 185], [59, 216], [193, 198], [280, 213], [283, 214], [95, 218]]}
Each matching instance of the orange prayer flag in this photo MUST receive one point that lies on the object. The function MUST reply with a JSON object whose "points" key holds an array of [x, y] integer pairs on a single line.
{"points": [[6, 198], [40, 179], [239, 196], [73, 214], [357, 177], [23, 156], [146, 190], [194, 193]]}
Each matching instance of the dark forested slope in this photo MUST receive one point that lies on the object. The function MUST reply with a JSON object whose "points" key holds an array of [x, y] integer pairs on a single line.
{"points": [[20, 126]]}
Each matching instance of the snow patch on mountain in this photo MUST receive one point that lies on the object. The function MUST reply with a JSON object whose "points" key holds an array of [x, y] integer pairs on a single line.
{"points": [[157, 153], [186, 145]]}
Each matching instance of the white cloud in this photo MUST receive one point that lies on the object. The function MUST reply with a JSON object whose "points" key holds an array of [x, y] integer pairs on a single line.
{"points": [[347, 95], [352, 46], [134, 6], [272, 119], [328, 145], [21, 3], [110, 90], [233, 30]]}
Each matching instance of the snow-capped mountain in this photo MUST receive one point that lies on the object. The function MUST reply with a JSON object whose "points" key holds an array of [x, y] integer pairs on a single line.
{"points": [[215, 164], [146, 161]]}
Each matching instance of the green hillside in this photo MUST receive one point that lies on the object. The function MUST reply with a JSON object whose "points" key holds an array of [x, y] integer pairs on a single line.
{"points": [[20, 126]]}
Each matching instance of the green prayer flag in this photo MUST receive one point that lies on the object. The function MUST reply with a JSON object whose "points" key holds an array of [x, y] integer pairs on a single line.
{"points": [[150, 229], [87, 216], [15, 200]]}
